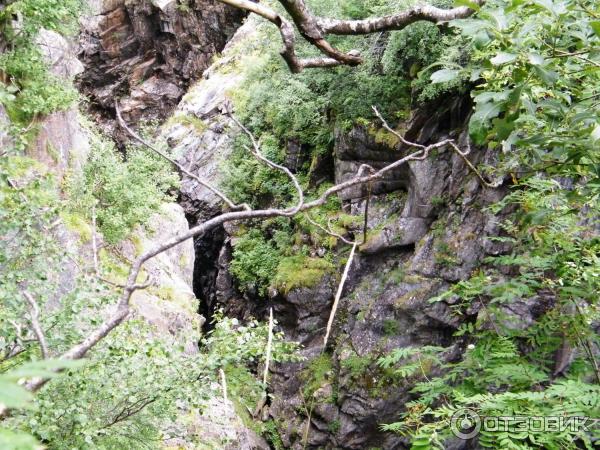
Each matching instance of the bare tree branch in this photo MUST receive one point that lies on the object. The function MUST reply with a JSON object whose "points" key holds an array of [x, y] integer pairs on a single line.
{"points": [[398, 21], [206, 184], [338, 295], [314, 29], [34, 312]]}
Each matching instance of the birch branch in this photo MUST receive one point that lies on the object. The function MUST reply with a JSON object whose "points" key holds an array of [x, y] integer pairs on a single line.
{"points": [[34, 313]]}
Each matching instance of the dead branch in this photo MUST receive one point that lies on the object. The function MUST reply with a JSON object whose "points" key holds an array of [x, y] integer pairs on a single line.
{"points": [[34, 313], [338, 295], [470, 165], [202, 182], [314, 29], [449, 142], [328, 230], [269, 345]]}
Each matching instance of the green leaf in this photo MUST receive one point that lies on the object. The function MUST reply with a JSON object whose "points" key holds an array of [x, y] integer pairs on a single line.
{"points": [[503, 58], [44, 369], [444, 75], [595, 24], [469, 27], [548, 76], [10, 440], [14, 396], [536, 59], [484, 113], [596, 133], [468, 3]]}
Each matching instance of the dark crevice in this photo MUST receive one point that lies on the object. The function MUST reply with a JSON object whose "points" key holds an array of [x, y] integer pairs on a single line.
{"points": [[207, 248]]}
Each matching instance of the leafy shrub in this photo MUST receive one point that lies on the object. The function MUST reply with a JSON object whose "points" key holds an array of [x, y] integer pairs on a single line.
{"points": [[125, 191], [255, 261], [36, 91]]}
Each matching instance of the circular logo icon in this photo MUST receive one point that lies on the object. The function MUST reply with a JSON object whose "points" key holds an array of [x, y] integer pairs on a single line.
{"points": [[465, 423]]}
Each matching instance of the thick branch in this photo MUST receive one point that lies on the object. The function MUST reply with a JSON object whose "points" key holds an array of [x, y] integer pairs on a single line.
{"points": [[307, 24], [314, 29], [398, 21]]}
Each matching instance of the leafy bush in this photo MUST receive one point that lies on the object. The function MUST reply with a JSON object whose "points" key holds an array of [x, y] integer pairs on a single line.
{"points": [[125, 191], [36, 91], [255, 261]]}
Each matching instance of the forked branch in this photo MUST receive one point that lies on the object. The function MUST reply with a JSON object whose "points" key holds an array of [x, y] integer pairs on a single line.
{"points": [[314, 29]]}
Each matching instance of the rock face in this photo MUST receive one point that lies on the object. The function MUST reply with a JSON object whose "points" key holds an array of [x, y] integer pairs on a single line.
{"points": [[427, 227], [428, 230], [200, 135], [146, 52], [169, 305]]}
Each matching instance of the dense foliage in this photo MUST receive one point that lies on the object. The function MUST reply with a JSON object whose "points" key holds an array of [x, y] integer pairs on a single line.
{"points": [[536, 67], [532, 68], [123, 191], [27, 89]]}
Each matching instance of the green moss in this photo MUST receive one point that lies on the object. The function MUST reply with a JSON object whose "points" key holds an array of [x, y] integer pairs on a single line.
{"points": [[183, 261], [53, 152], [445, 255], [318, 373], [402, 301], [391, 327], [77, 224], [173, 295], [112, 267], [334, 426], [396, 275], [300, 271], [383, 136], [189, 121], [138, 244]]}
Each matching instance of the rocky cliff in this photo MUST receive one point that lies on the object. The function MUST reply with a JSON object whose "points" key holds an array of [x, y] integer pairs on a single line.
{"points": [[63, 144], [429, 228], [145, 53]]}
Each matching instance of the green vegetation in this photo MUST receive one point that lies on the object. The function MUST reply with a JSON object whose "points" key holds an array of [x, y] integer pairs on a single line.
{"points": [[357, 365], [536, 99], [532, 69], [124, 191], [317, 374], [29, 89], [307, 107], [300, 271]]}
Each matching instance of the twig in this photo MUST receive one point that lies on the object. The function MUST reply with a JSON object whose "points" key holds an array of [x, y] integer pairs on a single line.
{"points": [[206, 184], [463, 155], [223, 383], [256, 151], [338, 295], [94, 244], [269, 344], [328, 230], [34, 313]]}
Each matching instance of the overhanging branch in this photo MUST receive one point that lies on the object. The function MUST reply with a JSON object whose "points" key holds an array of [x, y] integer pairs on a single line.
{"points": [[314, 29]]}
